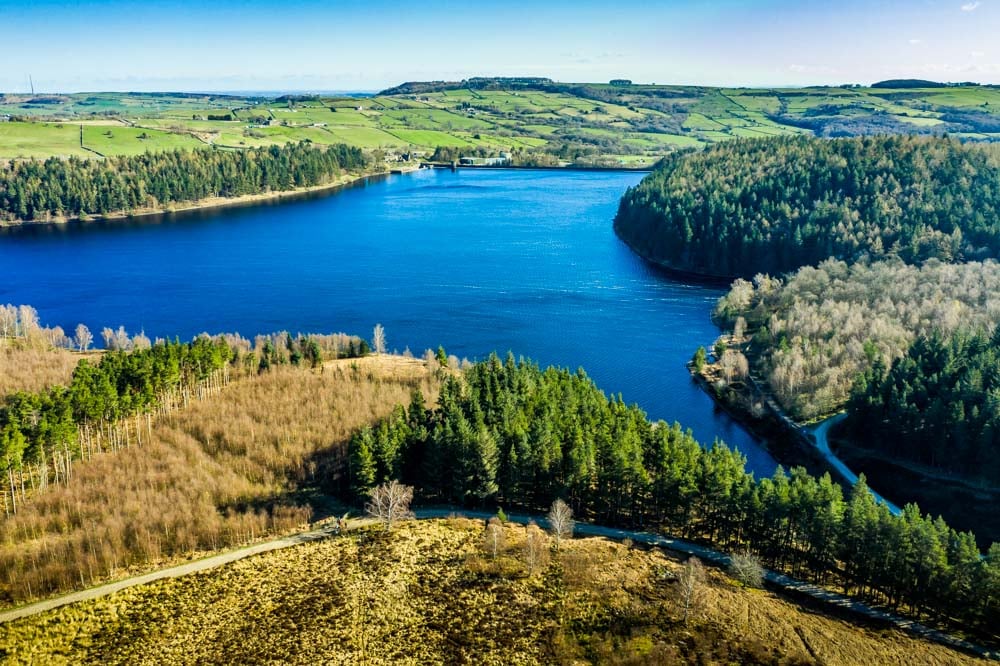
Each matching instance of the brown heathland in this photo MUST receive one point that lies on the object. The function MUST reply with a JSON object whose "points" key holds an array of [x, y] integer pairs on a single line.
{"points": [[433, 592], [29, 367]]}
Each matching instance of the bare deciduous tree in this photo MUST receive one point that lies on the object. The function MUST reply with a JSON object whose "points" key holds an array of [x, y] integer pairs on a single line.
{"points": [[27, 317], [378, 339], [690, 580], [739, 329], [116, 340], [8, 321], [535, 548], [734, 365], [141, 341], [493, 537], [746, 569], [561, 521], [390, 502], [83, 337]]}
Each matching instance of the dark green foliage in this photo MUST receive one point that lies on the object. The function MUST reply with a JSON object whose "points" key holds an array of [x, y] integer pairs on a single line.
{"points": [[939, 405], [770, 206], [699, 358], [511, 433], [909, 83], [31, 190]]}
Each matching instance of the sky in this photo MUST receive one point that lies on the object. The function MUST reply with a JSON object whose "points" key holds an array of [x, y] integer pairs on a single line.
{"points": [[308, 45]]}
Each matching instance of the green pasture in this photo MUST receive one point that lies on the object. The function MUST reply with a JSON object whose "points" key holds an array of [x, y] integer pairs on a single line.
{"points": [[121, 140], [40, 140], [430, 138]]}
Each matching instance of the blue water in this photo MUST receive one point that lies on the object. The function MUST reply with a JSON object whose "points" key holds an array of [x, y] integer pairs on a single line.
{"points": [[475, 261]]}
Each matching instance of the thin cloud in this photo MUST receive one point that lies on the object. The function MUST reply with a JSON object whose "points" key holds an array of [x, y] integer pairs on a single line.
{"points": [[915, 42], [971, 6]]}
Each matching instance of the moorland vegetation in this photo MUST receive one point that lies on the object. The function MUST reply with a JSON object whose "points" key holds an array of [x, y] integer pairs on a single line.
{"points": [[442, 592]]}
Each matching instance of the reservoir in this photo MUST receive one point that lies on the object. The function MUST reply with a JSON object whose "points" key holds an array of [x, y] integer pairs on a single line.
{"points": [[476, 261]]}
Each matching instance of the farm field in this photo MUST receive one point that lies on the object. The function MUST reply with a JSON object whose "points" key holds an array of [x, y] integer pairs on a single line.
{"points": [[542, 123], [432, 592]]}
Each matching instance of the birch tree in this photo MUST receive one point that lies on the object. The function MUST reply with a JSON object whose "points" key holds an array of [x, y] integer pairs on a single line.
{"points": [[561, 521], [493, 537], [389, 503], [535, 548], [378, 339], [691, 579], [83, 337]]}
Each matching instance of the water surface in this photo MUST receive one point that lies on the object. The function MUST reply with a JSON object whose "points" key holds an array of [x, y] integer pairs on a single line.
{"points": [[476, 261]]}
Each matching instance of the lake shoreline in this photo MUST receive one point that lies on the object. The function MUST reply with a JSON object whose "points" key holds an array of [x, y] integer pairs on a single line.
{"points": [[351, 180], [788, 444], [210, 203], [679, 273]]}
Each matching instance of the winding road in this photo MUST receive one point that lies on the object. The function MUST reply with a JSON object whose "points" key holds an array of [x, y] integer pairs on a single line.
{"points": [[819, 434], [715, 557]]}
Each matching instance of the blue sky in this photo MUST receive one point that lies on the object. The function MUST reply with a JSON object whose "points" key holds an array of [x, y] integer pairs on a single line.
{"points": [[333, 45]]}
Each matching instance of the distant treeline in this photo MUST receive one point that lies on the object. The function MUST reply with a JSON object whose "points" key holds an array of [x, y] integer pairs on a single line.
{"points": [[34, 190], [513, 434], [938, 406], [770, 206]]}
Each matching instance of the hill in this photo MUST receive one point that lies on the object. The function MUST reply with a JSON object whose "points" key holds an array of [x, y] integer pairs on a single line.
{"points": [[430, 592], [771, 206], [536, 120], [909, 83]]}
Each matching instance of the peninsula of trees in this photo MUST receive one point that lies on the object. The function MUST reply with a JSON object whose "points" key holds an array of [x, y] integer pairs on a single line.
{"points": [[771, 206], [909, 352], [78, 188]]}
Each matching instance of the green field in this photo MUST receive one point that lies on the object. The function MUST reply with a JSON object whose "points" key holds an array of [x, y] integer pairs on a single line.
{"points": [[110, 140], [40, 140], [590, 122]]}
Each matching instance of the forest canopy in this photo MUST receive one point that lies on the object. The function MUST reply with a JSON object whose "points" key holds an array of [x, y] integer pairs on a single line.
{"points": [[74, 187], [770, 206], [938, 406], [816, 331]]}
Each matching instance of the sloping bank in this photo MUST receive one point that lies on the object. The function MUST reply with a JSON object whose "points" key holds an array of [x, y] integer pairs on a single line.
{"points": [[715, 557]]}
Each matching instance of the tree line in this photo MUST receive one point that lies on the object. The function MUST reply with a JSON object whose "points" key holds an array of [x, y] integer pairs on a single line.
{"points": [[74, 187], [510, 433], [939, 405], [770, 206]]}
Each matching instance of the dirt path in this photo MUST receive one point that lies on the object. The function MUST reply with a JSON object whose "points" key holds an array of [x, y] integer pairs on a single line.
{"points": [[677, 545], [170, 572]]}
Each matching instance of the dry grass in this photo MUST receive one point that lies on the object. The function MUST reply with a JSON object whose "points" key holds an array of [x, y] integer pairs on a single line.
{"points": [[428, 594], [217, 473], [25, 367]]}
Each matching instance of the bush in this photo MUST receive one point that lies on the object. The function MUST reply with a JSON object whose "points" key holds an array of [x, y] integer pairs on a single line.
{"points": [[746, 569]]}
